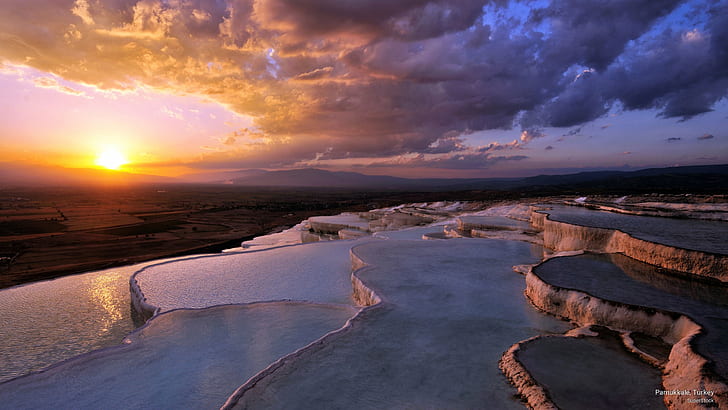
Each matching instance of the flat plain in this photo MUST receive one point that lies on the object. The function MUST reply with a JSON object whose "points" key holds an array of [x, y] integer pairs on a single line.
{"points": [[50, 232]]}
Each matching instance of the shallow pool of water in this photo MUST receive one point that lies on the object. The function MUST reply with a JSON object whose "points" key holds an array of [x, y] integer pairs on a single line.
{"points": [[451, 308], [699, 235], [46, 322], [592, 373], [181, 360], [318, 272], [622, 279]]}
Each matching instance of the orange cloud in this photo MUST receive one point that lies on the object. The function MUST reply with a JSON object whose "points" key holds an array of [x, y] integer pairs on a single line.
{"points": [[365, 78], [53, 84]]}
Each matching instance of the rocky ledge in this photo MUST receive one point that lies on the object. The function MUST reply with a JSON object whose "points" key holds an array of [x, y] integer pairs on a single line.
{"points": [[685, 369], [563, 236]]}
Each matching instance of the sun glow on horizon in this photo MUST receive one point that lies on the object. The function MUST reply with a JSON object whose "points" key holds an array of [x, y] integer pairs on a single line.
{"points": [[111, 158]]}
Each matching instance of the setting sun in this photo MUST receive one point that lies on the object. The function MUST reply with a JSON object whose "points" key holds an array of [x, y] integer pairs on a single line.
{"points": [[111, 158]]}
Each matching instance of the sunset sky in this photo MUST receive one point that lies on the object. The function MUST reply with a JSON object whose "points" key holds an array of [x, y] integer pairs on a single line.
{"points": [[466, 88]]}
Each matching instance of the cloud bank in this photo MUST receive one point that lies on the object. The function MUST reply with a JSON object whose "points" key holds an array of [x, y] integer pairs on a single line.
{"points": [[334, 79]]}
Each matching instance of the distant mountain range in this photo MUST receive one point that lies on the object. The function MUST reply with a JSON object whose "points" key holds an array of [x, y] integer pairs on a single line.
{"points": [[318, 178], [708, 178], [711, 177], [687, 179]]}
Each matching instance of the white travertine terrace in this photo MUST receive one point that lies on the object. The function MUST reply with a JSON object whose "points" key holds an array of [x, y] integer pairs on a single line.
{"points": [[433, 318], [277, 266], [288, 236], [580, 371], [535, 396], [709, 211], [333, 224], [562, 236], [685, 369], [183, 359], [481, 222], [317, 272], [442, 314]]}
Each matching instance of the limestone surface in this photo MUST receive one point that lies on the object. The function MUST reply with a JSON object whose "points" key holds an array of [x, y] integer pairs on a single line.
{"points": [[449, 309], [308, 272], [623, 293], [333, 224], [45, 322], [698, 235], [468, 223], [591, 373], [691, 246], [186, 359]]}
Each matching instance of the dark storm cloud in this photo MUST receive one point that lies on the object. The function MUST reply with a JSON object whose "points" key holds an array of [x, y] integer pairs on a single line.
{"points": [[682, 76], [578, 103], [682, 73], [331, 79], [406, 19], [593, 33]]}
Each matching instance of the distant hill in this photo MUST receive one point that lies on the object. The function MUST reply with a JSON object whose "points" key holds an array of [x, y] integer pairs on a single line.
{"points": [[688, 179], [710, 177], [604, 175], [318, 178], [312, 177], [220, 177]]}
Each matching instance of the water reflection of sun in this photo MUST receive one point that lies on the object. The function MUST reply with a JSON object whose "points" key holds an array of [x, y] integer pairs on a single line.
{"points": [[102, 291]]}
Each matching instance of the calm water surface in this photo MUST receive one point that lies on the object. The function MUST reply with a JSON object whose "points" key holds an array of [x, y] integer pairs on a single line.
{"points": [[182, 360], [699, 235], [45, 322]]}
